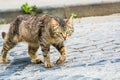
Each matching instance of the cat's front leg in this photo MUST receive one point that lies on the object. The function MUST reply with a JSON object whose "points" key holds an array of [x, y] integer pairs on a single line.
{"points": [[46, 54], [60, 47]]}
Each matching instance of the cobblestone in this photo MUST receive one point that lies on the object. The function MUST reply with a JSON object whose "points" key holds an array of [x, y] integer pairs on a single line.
{"points": [[93, 54]]}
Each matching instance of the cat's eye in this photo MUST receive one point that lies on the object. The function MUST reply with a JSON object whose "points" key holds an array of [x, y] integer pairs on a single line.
{"points": [[57, 33]]}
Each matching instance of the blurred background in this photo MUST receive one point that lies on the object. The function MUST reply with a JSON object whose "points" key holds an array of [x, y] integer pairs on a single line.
{"points": [[9, 9]]}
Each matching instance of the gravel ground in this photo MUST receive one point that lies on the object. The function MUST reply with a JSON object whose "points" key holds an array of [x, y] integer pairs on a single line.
{"points": [[93, 54]]}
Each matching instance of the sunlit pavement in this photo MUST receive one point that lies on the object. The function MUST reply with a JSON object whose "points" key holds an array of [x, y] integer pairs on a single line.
{"points": [[93, 54]]}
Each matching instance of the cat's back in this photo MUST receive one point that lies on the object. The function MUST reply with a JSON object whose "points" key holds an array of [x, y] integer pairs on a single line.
{"points": [[30, 26], [32, 18]]}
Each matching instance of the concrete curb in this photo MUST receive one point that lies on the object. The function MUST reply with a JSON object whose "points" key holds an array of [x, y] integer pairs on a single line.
{"points": [[65, 11]]}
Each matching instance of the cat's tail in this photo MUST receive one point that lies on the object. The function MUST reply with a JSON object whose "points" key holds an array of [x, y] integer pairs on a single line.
{"points": [[13, 28], [3, 34]]}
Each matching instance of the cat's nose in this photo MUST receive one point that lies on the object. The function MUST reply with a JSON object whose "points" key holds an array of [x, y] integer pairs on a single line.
{"points": [[65, 37]]}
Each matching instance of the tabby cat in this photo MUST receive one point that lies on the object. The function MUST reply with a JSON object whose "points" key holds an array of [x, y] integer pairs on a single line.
{"points": [[38, 30]]}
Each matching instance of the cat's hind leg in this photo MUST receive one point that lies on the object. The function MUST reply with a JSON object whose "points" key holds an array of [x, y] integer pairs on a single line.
{"points": [[8, 44], [32, 49]]}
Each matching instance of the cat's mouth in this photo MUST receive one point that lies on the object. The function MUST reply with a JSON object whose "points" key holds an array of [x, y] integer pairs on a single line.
{"points": [[61, 36], [64, 36]]}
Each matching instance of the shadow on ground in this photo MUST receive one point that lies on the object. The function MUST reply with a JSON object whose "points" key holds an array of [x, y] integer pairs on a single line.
{"points": [[16, 65]]}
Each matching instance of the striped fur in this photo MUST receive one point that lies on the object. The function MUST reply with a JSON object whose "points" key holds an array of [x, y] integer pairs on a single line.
{"points": [[38, 30]]}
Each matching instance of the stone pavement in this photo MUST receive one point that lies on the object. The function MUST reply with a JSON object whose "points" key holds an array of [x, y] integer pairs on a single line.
{"points": [[93, 54]]}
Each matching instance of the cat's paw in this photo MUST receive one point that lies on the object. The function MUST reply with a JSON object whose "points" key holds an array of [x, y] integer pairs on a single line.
{"points": [[3, 60], [36, 60], [59, 61], [48, 65]]}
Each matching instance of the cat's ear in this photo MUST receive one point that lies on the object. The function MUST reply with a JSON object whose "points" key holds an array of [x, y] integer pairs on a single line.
{"points": [[3, 35], [70, 20], [53, 23]]}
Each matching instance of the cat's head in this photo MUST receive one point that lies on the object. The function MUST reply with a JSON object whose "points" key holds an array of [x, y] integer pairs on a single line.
{"points": [[62, 28]]}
